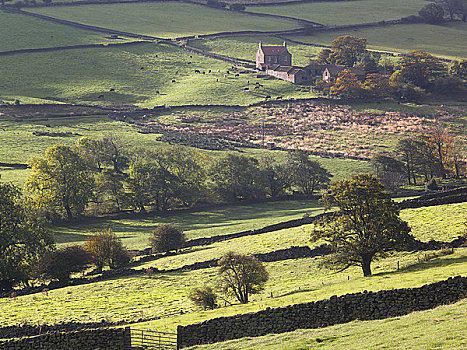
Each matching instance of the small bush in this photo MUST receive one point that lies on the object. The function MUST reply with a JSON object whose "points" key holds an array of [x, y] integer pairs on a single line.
{"points": [[237, 7], [60, 263], [167, 237], [431, 185], [204, 297], [215, 3]]}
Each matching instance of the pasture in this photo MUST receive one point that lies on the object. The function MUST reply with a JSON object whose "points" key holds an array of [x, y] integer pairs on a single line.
{"points": [[245, 47], [166, 19], [24, 32], [441, 328], [346, 12], [439, 40], [291, 281], [146, 74]]}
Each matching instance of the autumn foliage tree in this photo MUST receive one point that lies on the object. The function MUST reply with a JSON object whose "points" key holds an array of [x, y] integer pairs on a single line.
{"points": [[204, 297], [420, 68], [241, 275], [366, 225], [106, 249], [347, 85]]}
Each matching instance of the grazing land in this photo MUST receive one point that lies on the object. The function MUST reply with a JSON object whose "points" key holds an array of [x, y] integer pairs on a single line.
{"points": [[166, 19], [346, 12], [137, 74], [440, 40], [440, 328], [245, 47], [22, 32], [291, 281]]}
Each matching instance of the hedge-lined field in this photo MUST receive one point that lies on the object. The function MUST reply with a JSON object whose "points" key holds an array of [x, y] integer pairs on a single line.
{"points": [[24, 32], [440, 40], [164, 20], [346, 12]]}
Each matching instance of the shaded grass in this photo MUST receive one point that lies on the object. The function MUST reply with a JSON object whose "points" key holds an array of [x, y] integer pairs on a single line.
{"points": [[346, 12], [135, 232], [440, 40], [24, 32], [164, 20], [440, 328]]}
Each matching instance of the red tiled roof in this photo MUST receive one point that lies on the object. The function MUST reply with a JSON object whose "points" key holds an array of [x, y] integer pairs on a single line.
{"points": [[274, 50]]}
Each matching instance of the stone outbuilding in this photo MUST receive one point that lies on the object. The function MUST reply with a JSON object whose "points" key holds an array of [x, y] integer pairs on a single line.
{"points": [[292, 74]]}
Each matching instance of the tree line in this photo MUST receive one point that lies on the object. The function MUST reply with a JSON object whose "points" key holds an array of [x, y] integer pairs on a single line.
{"points": [[437, 154], [106, 176], [411, 77]]}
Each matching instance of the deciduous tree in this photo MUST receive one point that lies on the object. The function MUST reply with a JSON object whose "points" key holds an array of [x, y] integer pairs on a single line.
{"points": [[420, 68], [305, 174], [241, 275], [167, 237], [106, 249], [23, 238], [432, 13], [60, 183], [61, 263], [346, 50], [366, 225], [347, 85]]}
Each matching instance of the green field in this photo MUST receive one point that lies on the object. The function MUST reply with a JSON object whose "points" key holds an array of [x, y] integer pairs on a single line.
{"points": [[136, 73], [135, 233], [440, 40], [441, 328], [164, 20], [291, 281], [346, 12], [24, 32], [246, 46]]}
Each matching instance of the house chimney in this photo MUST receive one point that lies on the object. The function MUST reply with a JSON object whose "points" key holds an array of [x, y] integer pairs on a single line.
{"points": [[260, 45], [285, 45]]}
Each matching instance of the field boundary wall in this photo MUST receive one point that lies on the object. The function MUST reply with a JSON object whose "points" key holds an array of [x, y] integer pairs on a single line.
{"points": [[324, 313], [103, 339]]}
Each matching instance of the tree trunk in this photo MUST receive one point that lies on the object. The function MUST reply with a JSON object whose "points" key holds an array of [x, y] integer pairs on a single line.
{"points": [[68, 211], [366, 266]]}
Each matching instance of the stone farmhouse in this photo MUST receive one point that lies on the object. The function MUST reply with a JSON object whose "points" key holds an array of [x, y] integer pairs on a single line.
{"points": [[276, 61]]}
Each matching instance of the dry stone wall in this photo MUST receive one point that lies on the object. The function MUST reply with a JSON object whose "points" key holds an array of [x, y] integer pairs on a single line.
{"points": [[323, 313], [103, 339]]}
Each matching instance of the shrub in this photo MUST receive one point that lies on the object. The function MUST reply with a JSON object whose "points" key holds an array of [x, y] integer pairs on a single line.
{"points": [[204, 297], [431, 185], [106, 249], [60, 263], [237, 7], [167, 237], [215, 3]]}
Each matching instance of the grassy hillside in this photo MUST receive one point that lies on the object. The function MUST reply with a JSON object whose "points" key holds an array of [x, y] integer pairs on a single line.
{"points": [[291, 281], [164, 20], [135, 232], [136, 73], [24, 32], [441, 328], [346, 12], [440, 40]]}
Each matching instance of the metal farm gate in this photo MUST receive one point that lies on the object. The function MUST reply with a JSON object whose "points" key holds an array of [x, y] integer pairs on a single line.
{"points": [[144, 339]]}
